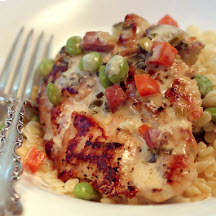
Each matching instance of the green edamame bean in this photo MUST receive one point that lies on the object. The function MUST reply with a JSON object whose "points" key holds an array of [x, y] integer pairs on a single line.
{"points": [[36, 118], [117, 69], [91, 62], [53, 93], [85, 191], [204, 84], [104, 80], [45, 66], [212, 111], [73, 45]]}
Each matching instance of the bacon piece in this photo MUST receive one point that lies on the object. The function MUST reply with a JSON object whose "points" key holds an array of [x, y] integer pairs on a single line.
{"points": [[154, 137], [115, 96], [151, 137], [189, 49], [98, 41]]}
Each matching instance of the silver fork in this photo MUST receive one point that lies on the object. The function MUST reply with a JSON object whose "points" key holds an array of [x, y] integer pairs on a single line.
{"points": [[16, 83]]}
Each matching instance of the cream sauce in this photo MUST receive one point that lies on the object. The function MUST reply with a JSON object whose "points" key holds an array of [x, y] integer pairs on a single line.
{"points": [[113, 66], [162, 33]]}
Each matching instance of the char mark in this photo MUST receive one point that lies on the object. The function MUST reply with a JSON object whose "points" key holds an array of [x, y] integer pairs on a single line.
{"points": [[48, 146], [82, 124], [175, 168], [97, 153], [70, 90], [56, 69]]}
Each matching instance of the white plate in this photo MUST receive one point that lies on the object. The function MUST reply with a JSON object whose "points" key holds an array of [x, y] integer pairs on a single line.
{"points": [[71, 17]]}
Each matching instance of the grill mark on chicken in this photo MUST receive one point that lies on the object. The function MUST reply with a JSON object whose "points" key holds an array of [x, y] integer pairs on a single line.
{"points": [[83, 124], [55, 113], [175, 168], [56, 69], [69, 91], [174, 95], [48, 146], [189, 138], [97, 153]]}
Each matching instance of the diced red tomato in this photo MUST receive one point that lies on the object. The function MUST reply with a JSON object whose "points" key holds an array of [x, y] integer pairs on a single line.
{"points": [[143, 128], [115, 96], [168, 20], [146, 85], [33, 159], [163, 53], [98, 41]]}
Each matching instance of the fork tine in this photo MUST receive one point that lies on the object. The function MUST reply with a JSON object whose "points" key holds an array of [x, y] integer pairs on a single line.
{"points": [[16, 75], [34, 78], [18, 79], [47, 53], [27, 79], [10, 60]]}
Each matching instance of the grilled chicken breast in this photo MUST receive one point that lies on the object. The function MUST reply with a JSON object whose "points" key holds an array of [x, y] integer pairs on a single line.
{"points": [[88, 139]]}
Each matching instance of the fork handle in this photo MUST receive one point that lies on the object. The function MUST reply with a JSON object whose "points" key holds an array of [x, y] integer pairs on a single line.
{"points": [[10, 165]]}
